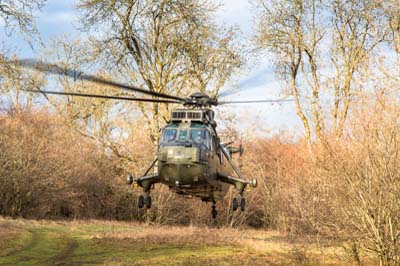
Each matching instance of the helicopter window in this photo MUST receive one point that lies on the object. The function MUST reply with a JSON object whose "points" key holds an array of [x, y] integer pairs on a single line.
{"points": [[182, 135], [197, 135], [169, 135]]}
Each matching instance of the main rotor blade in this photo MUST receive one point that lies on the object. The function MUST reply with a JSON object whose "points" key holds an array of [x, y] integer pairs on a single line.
{"points": [[55, 69], [229, 92], [255, 101], [88, 95]]}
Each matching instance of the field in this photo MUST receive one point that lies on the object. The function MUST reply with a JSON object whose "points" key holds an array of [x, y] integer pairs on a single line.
{"points": [[28, 242]]}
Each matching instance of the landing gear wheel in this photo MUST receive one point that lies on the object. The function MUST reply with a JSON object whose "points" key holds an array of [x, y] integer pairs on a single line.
{"points": [[147, 201], [235, 204], [140, 201], [242, 204], [214, 213]]}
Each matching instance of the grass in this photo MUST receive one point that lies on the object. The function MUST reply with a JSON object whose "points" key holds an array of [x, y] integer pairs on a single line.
{"points": [[28, 243]]}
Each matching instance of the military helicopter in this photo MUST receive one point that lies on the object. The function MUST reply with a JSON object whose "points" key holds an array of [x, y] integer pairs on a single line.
{"points": [[191, 159]]}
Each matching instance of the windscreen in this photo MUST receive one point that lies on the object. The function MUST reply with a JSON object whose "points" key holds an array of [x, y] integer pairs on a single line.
{"points": [[196, 136]]}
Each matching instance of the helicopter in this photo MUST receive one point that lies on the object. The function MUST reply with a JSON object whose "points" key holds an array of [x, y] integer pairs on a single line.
{"points": [[191, 159]]}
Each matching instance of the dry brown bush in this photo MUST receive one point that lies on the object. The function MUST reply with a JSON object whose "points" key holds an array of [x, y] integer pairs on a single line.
{"points": [[48, 171], [367, 173], [351, 193], [282, 170], [348, 193]]}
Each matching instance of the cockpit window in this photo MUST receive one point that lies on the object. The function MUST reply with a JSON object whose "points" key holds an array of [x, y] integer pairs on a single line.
{"points": [[182, 135], [197, 136], [169, 135]]}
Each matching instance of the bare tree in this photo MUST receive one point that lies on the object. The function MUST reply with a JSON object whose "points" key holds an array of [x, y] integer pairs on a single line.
{"points": [[19, 14], [281, 32], [14, 82], [165, 46], [112, 124], [392, 11], [357, 31], [329, 42]]}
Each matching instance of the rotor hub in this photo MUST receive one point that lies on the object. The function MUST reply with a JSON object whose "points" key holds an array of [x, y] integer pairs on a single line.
{"points": [[200, 99]]}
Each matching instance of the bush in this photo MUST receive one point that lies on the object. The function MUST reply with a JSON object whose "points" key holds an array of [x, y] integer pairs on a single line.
{"points": [[48, 171]]}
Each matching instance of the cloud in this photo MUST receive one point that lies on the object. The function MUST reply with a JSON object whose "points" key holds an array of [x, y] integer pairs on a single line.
{"points": [[59, 17], [235, 12], [57, 12]]}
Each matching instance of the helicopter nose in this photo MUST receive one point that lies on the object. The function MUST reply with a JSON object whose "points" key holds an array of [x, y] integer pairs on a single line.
{"points": [[179, 154], [181, 173]]}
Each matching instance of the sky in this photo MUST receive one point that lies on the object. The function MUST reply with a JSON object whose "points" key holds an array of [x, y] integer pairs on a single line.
{"points": [[255, 81]]}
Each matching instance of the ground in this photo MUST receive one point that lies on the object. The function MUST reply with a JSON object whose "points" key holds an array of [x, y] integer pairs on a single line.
{"points": [[29, 242]]}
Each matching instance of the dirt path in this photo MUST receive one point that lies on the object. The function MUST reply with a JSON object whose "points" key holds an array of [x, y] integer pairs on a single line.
{"points": [[64, 257], [31, 244]]}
